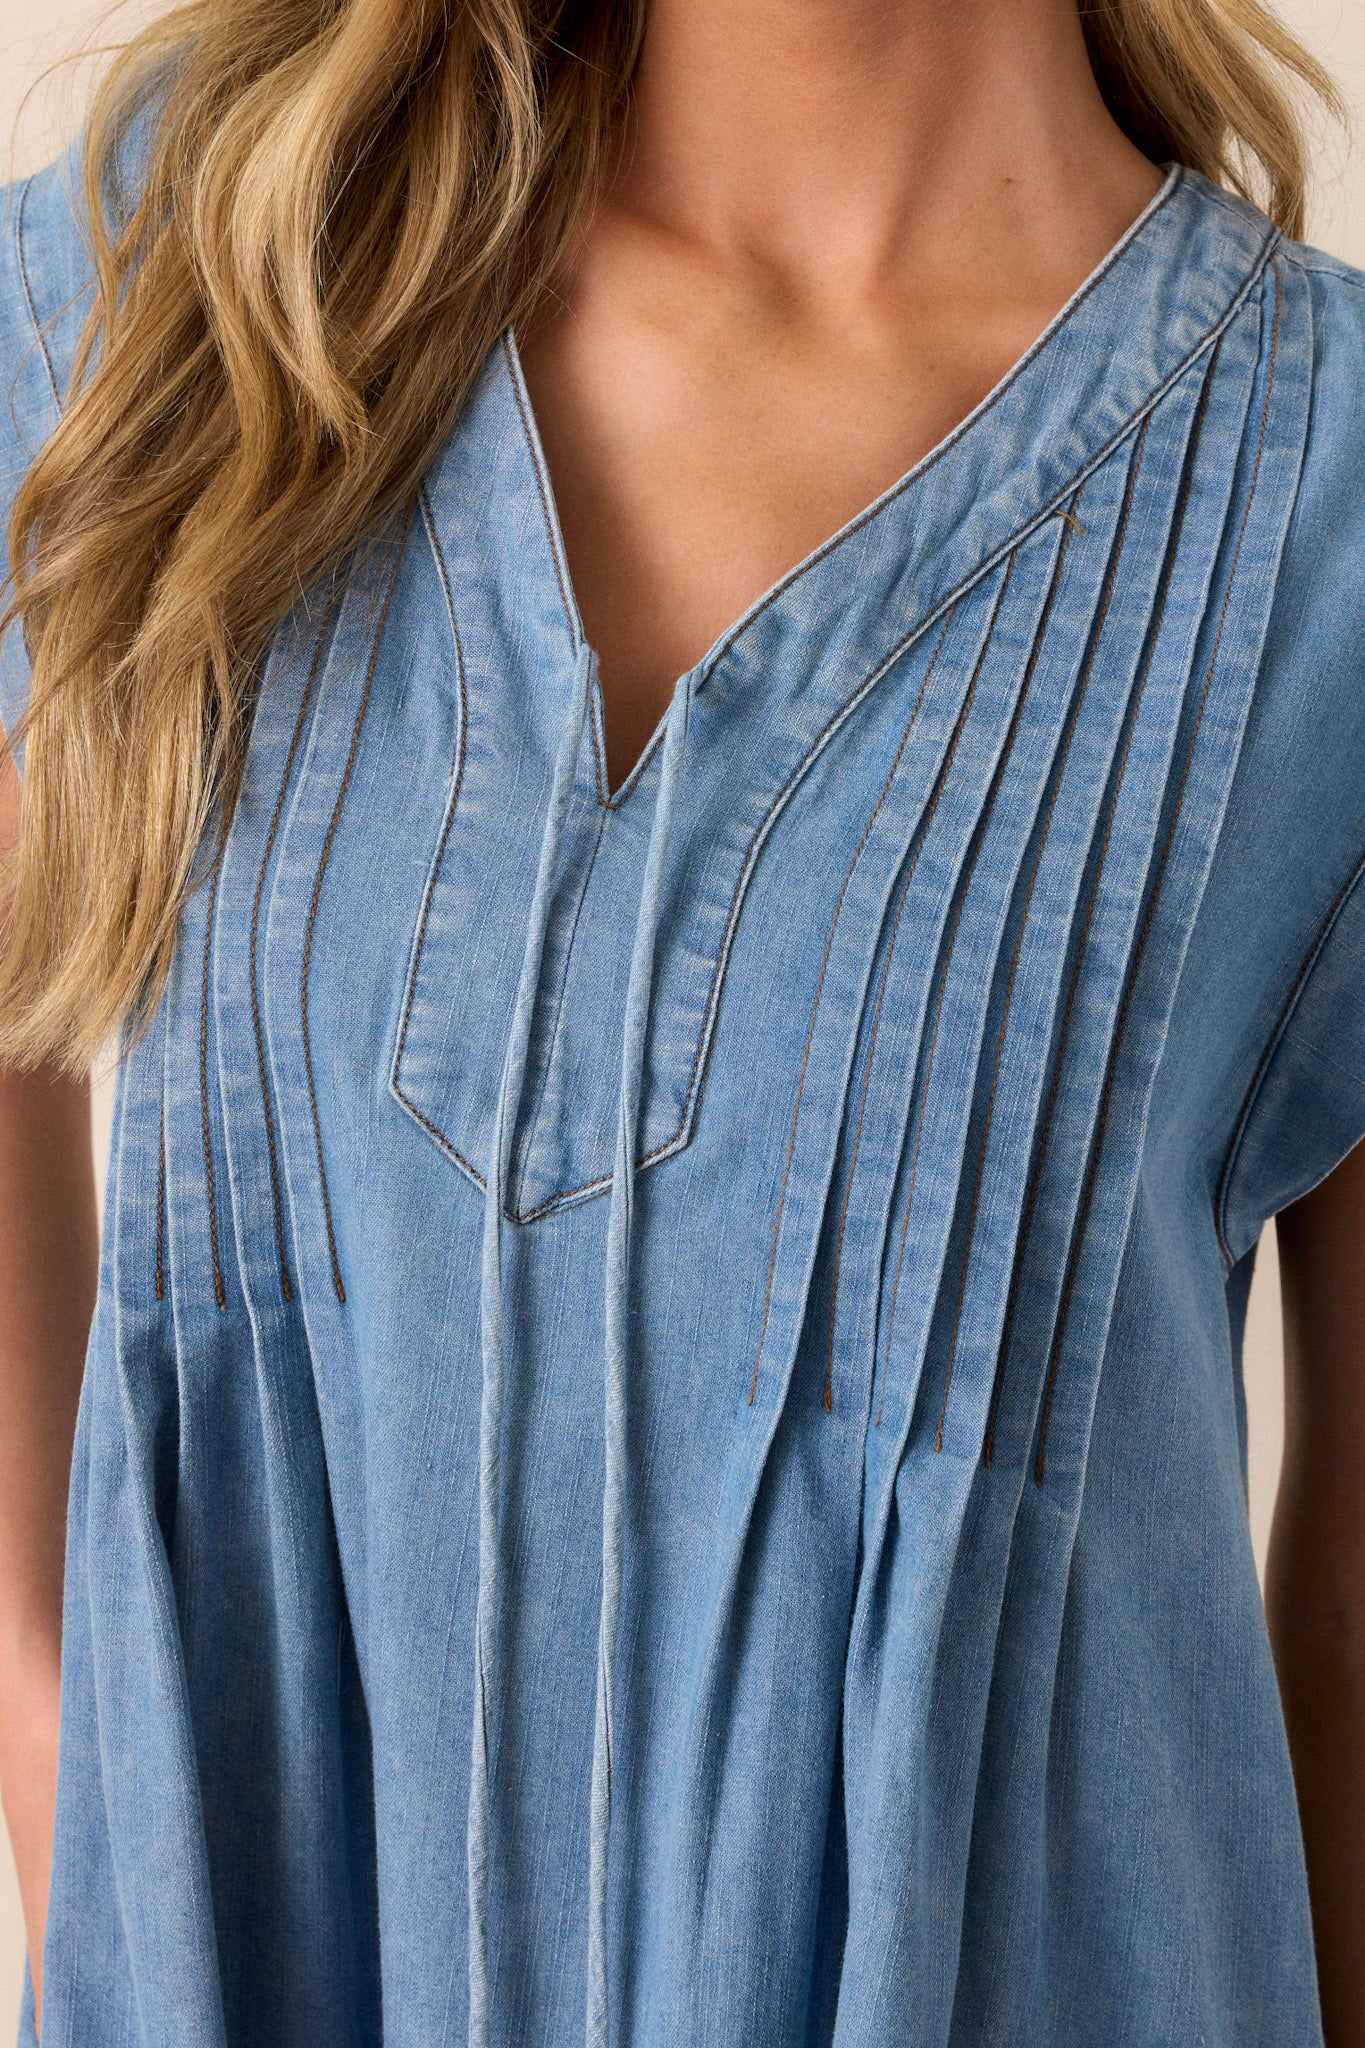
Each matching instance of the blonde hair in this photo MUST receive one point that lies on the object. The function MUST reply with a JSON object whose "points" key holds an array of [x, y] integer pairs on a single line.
{"points": [[344, 203]]}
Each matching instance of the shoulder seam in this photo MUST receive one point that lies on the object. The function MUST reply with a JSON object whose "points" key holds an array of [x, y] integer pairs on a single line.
{"points": [[1343, 272], [1231, 203], [1261, 1071], [29, 301]]}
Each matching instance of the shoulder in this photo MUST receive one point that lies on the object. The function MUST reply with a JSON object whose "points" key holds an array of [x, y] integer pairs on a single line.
{"points": [[1335, 296], [47, 262], [1337, 286], [1322, 598], [1324, 567], [29, 373], [45, 281], [45, 270], [1293, 857]]}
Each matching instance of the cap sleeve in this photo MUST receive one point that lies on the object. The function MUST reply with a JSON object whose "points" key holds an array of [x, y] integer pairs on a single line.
{"points": [[44, 297], [1305, 1108]]}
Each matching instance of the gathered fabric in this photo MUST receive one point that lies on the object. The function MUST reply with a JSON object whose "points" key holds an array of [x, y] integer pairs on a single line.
{"points": [[662, 1462]]}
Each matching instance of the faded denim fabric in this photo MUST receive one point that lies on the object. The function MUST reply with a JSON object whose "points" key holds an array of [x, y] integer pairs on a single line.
{"points": [[662, 1459]]}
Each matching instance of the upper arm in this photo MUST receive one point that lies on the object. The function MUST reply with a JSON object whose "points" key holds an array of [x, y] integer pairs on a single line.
{"points": [[1305, 1108], [1322, 1281]]}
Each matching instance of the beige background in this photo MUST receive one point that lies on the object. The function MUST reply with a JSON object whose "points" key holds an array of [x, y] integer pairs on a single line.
{"points": [[34, 123]]}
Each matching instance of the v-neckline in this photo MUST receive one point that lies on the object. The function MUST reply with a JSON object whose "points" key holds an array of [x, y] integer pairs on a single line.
{"points": [[831, 545], [1160, 299]]}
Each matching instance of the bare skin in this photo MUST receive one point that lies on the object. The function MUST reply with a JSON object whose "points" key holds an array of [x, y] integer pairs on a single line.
{"points": [[835, 226], [1315, 1587], [48, 1261]]}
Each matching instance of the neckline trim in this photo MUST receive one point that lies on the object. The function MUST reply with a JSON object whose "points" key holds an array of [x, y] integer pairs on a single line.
{"points": [[720, 646], [1165, 291]]}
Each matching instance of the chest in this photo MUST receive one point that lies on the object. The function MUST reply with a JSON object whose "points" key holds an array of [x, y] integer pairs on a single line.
{"points": [[695, 453], [945, 812]]}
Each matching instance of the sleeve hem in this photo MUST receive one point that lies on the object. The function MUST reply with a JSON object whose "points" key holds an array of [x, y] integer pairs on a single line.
{"points": [[1222, 1198]]}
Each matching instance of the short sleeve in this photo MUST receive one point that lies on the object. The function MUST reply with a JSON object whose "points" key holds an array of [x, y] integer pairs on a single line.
{"points": [[44, 298], [1305, 1109]]}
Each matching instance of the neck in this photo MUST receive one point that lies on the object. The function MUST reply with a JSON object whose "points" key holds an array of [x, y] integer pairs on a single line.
{"points": [[835, 140]]}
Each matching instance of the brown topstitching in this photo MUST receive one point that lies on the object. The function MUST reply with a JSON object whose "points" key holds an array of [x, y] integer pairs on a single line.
{"points": [[323, 859], [1156, 888], [1035, 1176]]}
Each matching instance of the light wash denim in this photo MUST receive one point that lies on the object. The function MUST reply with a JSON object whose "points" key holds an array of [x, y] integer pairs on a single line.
{"points": [[663, 1455]]}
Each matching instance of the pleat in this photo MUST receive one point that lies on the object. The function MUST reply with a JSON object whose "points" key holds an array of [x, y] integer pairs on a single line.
{"points": [[916, 1005], [1007, 1994], [376, 747], [1090, 651], [692, 1872], [218, 1615], [934, 1543], [142, 1697], [1225, 634], [941, 995], [982, 1235], [88, 1986], [932, 740], [1004, 720], [300, 1780], [1107, 932]]}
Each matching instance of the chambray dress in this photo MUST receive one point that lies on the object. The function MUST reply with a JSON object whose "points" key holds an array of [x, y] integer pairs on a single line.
{"points": [[662, 1461]]}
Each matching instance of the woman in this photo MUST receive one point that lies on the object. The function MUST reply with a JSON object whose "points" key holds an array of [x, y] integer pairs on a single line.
{"points": [[661, 1455]]}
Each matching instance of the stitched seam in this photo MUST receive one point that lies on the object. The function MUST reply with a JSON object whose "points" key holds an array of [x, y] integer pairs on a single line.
{"points": [[597, 736], [1045, 1128], [219, 1291], [554, 1003], [937, 611], [912, 476], [819, 990], [939, 785], [269, 1114], [161, 1205], [604, 795], [942, 605], [443, 1141], [1073, 720], [28, 293], [1078, 1237], [890, 955], [1048, 335], [456, 786], [1034, 657], [974, 419], [858, 1137], [323, 859], [1325, 267], [543, 489], [1268, 1051]]}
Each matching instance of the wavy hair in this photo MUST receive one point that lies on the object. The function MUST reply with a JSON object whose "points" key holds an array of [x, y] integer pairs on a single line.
{"points": [[344, 203]]}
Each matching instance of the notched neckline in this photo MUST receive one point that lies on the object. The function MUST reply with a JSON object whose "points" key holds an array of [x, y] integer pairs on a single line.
{"points": [[554, 531]]}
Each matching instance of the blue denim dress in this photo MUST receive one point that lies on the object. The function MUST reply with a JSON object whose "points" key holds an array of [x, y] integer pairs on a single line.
{"points": [[662, 1461]]}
